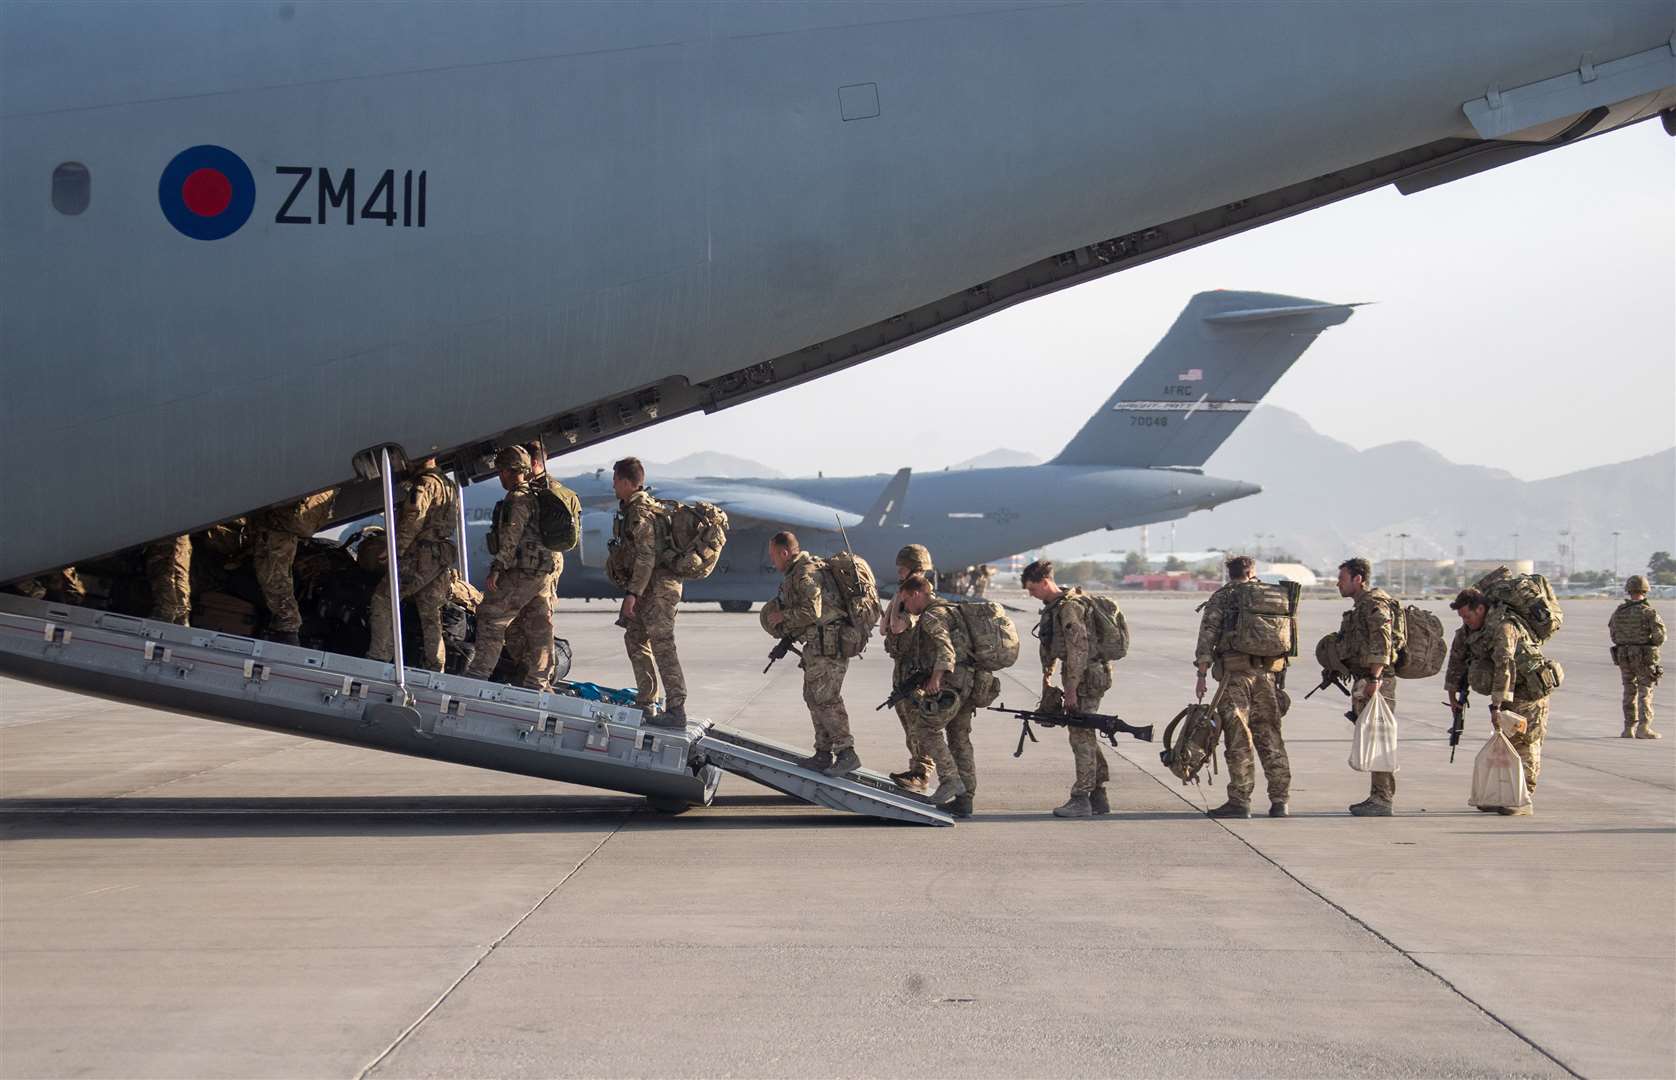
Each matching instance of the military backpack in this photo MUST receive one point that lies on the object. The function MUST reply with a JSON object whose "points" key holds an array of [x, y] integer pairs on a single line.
{"points": [[992, 637], [1529, 596], [558, 515], [1190, 742], [690, 538], [858, 594], [1421, 646], [1109, 630], [1264, 619]]}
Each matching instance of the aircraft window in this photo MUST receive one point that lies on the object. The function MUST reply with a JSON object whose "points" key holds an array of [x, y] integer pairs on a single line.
{"points": [[72, 188]]}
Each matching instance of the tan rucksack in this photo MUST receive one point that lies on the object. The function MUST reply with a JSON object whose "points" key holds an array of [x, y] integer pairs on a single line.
{"points": [[993, 637], [1528, 596], [690, 538], [1109, 630], [851, 579], [1265, 619], [1421, 646], [1190, 742]]}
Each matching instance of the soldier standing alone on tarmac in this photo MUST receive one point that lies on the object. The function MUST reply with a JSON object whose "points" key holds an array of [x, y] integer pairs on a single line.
{"points": [[1367, 639], [1637, 632], [519, 589], [1248, 700], [1500, 660], [895, 625], [934, 650], [426, 526], [809, 610], [654, 596], [274, 536], [1065, 637]]}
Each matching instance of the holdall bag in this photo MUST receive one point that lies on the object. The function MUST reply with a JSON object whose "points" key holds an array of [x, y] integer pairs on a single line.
{"points": [[1373, 745], [1498, 776]]}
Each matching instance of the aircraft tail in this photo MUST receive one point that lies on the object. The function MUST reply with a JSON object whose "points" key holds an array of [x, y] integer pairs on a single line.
{"points": [[1225, 351]]}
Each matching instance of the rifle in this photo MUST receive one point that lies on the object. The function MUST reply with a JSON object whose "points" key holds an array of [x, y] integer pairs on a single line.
{"points": [[1108, 726], [1458, 706], [1333, 678], [904, 690], [778, 652]]}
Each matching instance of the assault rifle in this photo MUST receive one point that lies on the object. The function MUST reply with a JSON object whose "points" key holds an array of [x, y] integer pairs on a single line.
{"points": [[1458, 701], [904, 690], [778, 652], [1108, 726], [1333, 678]]}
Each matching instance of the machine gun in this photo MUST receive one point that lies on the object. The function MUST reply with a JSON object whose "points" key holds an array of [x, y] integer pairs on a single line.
{"points": [[778, 652], [1108, 726], [904, 690], [1458, 701], [1333, 678]]}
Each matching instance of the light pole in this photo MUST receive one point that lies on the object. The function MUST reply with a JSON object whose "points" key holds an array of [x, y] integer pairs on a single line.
{"points": [[1460, 557], [1515, 547], [1564, 548], [1402, 561], [1615, 554]]}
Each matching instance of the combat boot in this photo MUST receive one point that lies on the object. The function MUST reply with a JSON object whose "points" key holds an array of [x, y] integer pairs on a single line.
{"points": [[1629, 730], [961, 807], [675, 717], [1371, 808], [848, 761], [1645, 731], [1278, 809], [289, 637], [1231, 809], [816, 762], [948, 791], [1515, 811], [1076, 806], [914, 781], [1099, 801]]}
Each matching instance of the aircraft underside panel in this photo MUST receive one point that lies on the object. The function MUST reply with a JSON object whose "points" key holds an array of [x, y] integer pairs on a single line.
{"points": [[554, 736]]}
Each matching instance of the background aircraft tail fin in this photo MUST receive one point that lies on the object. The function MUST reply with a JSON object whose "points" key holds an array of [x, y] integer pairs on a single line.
{"points": [[1225, 351], [889, 502]]}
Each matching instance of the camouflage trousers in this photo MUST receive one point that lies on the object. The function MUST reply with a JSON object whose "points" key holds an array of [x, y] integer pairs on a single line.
{"points": [[168, 569], [919, 762], [1092, 771], [274, 553], [650, 640], [425, 578], [1383, 785], [1528, 742], [931, 736], [1249, 712], [823, 692], [959, 735], [519, 610], [1638, 693], [61, 587]]}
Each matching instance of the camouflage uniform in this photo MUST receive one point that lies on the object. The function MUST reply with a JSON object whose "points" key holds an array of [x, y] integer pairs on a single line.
{"points": [[936, 643], [896, 646], [1064, 638], [427, 520], [168, 569], [62, 586], [1637, 632], [522, 596], [1488, 657], [650, 633], [1247, 703], [813, 619], [274, 537], [1368, 638]]}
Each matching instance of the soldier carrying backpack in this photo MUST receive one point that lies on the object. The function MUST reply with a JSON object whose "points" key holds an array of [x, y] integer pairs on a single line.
{"points": [[810, 609], [1080, 634], [1247, 633], [1370, 637]]}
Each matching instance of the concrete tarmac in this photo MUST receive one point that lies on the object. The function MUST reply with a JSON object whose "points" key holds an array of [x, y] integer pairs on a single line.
{"points": [[185, 898]]}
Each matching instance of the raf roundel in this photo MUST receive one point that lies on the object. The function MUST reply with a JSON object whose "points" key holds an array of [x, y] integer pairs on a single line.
{"points": [[207, 192]]}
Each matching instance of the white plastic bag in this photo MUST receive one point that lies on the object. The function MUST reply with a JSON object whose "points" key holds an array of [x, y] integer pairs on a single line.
{"points": [[1373, 747], [1498, 774]]}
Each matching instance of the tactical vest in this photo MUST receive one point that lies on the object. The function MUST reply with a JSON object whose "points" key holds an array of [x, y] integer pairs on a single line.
{"points": [[442, 519]]}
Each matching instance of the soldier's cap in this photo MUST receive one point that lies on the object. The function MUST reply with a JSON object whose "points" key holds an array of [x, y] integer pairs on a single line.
{"points": [[515, 458], [914, 557], [1635, 584]]}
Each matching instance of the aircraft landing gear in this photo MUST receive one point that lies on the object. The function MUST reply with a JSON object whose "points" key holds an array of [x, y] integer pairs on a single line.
{"points": [[736, 607]]}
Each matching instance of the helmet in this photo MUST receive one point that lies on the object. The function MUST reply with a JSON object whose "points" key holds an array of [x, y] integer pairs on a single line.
{"points": [[1636, 584], [513, 457], [1328, 655], [914, 557]]}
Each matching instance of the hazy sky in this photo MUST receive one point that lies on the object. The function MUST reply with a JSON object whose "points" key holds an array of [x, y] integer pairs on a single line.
{"points": [[1538, 296]]}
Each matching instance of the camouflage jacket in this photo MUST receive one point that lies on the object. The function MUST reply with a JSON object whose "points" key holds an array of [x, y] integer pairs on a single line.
{"points": [[808, 605], [430, 512], [636, 527], [1367, 633], [896, 641], [1213, 625], [1637, 625], [1488, 657], [515, 536], [303, 518], [1063, 637], [937, 642]]}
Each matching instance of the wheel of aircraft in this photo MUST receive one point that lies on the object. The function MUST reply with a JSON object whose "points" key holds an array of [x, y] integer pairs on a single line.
{"points": [[736, 607]]}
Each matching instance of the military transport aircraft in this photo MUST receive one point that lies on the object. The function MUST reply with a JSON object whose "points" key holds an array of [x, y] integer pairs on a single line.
{"points": [[257, 248], [1135, 462]]}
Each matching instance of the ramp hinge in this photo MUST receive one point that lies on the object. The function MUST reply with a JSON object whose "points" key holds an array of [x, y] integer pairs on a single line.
{"points": [[53, 634], [157, 652], [452, 706], [255, 671], [600, 737], [550, 724], [353, 687]]}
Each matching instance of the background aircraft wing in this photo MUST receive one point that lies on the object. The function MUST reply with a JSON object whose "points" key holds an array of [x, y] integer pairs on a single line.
{"points": [[775, 508]]}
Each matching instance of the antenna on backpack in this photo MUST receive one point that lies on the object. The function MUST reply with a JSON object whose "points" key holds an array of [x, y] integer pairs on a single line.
{"points": [[844, 534]]}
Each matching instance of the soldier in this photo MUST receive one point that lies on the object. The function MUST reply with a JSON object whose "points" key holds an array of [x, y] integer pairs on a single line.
{"points": [[168, 569], [1489, 649], [1064, 634], [274, 536], [804, 613], [1637, 633], [61, 586], [525, 651], [1247, 701], [427, 524], [934, 647], [519, 588], [1368, 645], [980, 580], [895, 625], [654, 595]]}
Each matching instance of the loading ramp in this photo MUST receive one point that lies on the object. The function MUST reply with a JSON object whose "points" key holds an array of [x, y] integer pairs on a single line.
{"points": [[552, 735]]}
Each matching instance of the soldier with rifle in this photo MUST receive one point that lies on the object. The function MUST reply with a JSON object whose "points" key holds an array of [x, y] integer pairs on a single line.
{"points": [[1369, 636], [936, 646], [808, 610], [894, 626], [1065, 636], [1053, 713]]}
